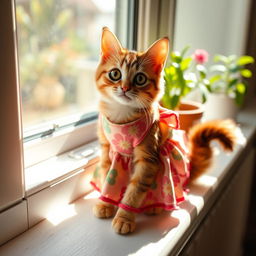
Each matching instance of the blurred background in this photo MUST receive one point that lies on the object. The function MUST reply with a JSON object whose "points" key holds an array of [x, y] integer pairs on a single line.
{"points": [[58, 46]]}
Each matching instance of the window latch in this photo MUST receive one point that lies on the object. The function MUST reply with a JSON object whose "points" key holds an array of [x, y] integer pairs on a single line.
{"points": [[50, 131]]}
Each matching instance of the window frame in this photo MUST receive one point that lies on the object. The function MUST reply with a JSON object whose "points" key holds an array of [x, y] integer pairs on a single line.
{"points": [[155, 20], [11, 174], [13, 209]]}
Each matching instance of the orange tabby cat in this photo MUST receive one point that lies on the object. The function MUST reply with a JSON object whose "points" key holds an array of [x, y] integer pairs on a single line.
{"points": [[129, 84]]}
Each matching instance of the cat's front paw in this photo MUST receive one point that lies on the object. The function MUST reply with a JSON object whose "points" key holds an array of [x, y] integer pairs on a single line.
{"points": [[124, 222], [104, 210]]}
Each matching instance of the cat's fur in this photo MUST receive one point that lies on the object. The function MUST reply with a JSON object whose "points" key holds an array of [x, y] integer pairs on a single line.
{"points": [[123, 101]]}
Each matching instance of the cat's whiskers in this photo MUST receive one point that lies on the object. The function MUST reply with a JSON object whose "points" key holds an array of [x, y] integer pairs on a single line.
{"points": [[152, 106], [144, 106]]}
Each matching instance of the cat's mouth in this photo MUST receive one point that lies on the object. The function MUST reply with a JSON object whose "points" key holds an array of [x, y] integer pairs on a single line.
{"points": [[122, 97], [125, 97]]}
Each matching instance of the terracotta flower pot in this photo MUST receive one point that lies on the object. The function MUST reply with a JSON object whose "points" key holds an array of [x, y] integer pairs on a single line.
{"points": [[190, 113]]}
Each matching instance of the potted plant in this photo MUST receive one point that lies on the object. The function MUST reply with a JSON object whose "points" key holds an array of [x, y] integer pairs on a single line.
{"points": [[182, 75], [227, 86]]}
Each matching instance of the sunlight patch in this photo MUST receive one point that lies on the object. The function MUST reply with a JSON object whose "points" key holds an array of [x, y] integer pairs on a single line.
{"points": [[206, 180], [170, 238], [60, 213], [92, 195], [197, 201], [241, 140]]}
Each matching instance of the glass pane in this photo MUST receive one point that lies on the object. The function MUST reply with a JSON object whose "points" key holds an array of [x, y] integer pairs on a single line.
{"points": [[58, 44]]}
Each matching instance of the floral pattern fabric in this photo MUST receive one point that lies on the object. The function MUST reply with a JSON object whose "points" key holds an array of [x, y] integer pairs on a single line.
{"points": [[169, 186]]}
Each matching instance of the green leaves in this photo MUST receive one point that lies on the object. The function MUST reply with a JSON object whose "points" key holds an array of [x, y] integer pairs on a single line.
{"points": [[184, 51], [220, 58], [181, 76], [241, 88], [215, 78], [202, 71], [228, 75], [175, 82], [204, 92], [232, 82], [166, 101], [240, 91], [224, 59], [185, 64], [174, 101], [246, 73], [176, 58], [244, 60]]}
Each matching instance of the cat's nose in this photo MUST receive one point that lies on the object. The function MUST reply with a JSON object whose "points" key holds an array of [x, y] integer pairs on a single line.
{"points": [[125, 88]]}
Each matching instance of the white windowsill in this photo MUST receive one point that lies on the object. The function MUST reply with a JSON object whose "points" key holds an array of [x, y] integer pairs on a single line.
{"points": [[83, 234], [41, 149], [58, 168]]}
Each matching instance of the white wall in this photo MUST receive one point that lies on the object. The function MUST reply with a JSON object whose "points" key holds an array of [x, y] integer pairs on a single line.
{"points": [[218, 26]]}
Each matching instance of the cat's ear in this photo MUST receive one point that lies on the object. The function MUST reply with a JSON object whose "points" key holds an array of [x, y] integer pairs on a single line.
{"points": [[109, 43], [157, 53]]}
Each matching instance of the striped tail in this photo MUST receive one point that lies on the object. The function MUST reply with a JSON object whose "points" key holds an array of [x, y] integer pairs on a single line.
{"points": [[200, 137]]}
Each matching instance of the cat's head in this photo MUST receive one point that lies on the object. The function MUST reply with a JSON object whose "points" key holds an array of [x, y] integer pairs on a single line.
{"points": [[127, 77]]}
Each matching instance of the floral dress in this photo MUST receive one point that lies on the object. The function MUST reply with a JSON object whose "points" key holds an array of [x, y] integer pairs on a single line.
{"points": [[168, 188]]}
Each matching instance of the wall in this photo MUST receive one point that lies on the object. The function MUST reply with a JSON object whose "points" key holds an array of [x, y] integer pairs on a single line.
{"points": [[218, 26]]}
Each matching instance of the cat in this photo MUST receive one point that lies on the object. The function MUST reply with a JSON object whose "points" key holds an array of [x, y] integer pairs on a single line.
{"points": [[132, 123]]}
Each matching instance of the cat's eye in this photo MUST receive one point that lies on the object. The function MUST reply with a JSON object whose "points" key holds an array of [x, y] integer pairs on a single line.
{"points": [[140, 79], [115, 74]]}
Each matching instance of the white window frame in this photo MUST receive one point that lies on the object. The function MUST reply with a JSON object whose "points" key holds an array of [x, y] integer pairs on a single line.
{"points": [[16, 206]]}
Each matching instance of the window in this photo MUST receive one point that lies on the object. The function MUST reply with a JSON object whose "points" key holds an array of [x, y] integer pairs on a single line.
{"points": [[58, 46]]}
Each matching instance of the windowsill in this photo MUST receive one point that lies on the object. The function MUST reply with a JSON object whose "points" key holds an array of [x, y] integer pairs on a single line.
{"points": [[58, 168], [83, 234]]}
